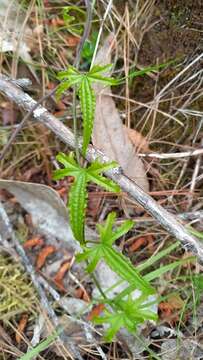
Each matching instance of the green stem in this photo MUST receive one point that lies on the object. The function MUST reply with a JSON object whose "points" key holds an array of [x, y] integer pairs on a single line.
{"points": [[85, 35], [75, 127]]}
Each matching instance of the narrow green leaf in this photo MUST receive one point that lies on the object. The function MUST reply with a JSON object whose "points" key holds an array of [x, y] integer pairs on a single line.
{"points": [[96, 167], [62, 88], [77, 205], [121, 230], [67, 160], [107, 184], [31, 354], [88, 103], [67, 73], [163, 269], [149, 262], [122, 266], [103, 80], [196, 233], [98, 69], [61, 173]]}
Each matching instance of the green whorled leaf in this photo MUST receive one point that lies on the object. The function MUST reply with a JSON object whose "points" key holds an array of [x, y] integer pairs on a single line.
{"points": [[103, 80], [115, 320], [61, 173], [88, 103], [107, 234], [71, 71], [95, 75], [105, 231], [96, 167], [94, 255], [126, 313], [98, 69], [77, 205], [62, 88], [67, 160], [122, 230], [107, 184], [122, 266]]}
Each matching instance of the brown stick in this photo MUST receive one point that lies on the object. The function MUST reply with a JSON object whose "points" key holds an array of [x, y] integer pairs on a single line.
{"points": [[163, 217]]}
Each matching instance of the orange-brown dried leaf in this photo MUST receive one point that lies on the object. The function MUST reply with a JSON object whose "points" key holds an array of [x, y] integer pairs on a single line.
{"points": [[21, 327], [62, 271], [137, 139], [72, 41], [35, 241], [60, 286], [96, 311], [150, 243], [42, 256], [57, 21], [141, 241], [165, 310], [82, 294]]}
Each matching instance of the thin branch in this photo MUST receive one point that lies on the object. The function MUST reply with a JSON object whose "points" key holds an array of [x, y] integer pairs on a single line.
{"points": [[177, 155], [163, 217]]}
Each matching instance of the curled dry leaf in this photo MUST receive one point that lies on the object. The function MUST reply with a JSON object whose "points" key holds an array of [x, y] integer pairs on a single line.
{"points": [[82, 294], [58, 279], [96, 311], [42, 256], [21, 327], [35, 241], [109, 134]]}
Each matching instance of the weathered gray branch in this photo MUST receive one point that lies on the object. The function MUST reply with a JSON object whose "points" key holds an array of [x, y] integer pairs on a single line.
{"points": [[163, 217]]}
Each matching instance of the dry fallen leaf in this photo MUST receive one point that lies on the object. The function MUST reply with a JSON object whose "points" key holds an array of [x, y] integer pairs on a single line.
{"points": [[42, 256], [96, 311], [21, 327], [137, 139], [109, 135], [58, 278], [35, 241]]}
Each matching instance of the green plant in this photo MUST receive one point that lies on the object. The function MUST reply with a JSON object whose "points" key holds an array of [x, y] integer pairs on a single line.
{"points": [[122, 310]]}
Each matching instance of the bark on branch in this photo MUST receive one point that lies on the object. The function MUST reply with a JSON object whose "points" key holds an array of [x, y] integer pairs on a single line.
{"points": [[163, 217]]}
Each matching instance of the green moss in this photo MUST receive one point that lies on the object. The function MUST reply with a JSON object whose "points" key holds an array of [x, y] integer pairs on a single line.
{"points": [[16, 292]]}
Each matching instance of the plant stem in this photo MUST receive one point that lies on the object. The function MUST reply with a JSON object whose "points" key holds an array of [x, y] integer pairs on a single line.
{"points": [[85, 35]]}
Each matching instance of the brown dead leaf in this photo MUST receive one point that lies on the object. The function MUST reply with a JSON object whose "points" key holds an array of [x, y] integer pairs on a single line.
{"points": [[21, 327], [72, 41], [109, 135], [58, 279], [141, 241], [35, 241], [95, 311], [42, 256], [82, 294], [176, 302], [137, 139]]}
